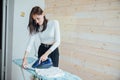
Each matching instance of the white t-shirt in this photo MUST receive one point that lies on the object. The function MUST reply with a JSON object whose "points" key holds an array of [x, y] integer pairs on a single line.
{"points": [[48, 36]]}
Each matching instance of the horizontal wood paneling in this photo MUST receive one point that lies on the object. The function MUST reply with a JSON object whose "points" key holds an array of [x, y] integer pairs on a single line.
{"points": [[90, 37], [85, 72], [87, 53]]}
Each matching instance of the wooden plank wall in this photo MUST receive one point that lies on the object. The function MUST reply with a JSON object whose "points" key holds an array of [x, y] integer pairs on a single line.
{"points": [[90, 37]]}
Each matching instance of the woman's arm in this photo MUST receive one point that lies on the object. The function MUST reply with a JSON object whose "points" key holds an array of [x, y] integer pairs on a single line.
{"points": [[29, 46], [55, 44], [57, 36], [24, 63]]}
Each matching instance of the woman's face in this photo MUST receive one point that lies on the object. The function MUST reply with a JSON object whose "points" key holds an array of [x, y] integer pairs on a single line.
{"points": [[39, 19]]}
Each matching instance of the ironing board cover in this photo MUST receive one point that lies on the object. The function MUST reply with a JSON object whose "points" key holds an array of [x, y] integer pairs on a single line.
{"points": [[67, 76]]}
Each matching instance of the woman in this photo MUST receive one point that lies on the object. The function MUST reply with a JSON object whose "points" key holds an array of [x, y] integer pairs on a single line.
{"points": [[48, 33]]}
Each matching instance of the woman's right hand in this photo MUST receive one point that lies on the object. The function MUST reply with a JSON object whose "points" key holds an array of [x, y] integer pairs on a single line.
{"points": [[24, 63]]}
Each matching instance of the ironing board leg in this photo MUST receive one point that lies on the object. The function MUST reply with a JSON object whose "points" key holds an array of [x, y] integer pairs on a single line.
{"points": [[23, 74], [36, 78]]}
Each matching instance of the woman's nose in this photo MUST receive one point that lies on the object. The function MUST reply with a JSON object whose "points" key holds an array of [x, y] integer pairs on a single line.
{"points": [[36, 21]]}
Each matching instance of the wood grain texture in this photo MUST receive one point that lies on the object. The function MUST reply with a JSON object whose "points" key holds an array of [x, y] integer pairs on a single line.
{"points": [[90, 37]]}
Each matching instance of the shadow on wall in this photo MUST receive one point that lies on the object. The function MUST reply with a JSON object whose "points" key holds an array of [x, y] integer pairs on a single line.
{"points": [[0, 36], [1, 24]]}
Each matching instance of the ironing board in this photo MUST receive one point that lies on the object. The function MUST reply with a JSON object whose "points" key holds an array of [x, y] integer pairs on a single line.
{"points": [[67, 76]]}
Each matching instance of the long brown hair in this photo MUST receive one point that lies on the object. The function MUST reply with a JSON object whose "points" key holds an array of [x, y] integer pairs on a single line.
{"points": [[33, 27]]}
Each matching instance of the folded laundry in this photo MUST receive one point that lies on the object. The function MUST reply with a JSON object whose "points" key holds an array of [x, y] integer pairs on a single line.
{"points": [[52, 72]]}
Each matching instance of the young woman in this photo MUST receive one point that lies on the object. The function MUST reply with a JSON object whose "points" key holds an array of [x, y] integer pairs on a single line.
{"points": [[49, 34]]}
